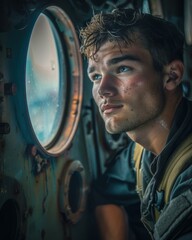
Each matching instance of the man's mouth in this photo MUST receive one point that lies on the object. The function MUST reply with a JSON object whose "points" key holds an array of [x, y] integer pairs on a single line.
{"points": [[110, 108]]}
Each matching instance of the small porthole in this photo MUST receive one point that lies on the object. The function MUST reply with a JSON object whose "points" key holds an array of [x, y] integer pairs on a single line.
{"points": [[73, 191], [9, 220]]}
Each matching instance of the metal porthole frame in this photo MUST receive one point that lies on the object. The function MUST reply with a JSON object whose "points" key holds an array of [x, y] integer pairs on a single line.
{"points": [[73, 170], [64, 135]]}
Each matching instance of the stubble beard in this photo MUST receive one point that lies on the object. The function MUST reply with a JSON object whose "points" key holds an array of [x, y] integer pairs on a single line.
{"points": [[115, 125]]}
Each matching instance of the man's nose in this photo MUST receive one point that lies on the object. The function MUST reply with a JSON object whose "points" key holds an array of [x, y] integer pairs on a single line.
{"points": [[107, 86]]}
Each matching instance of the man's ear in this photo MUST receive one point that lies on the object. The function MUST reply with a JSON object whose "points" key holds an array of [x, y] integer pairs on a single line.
{"points": [[173, 74]]}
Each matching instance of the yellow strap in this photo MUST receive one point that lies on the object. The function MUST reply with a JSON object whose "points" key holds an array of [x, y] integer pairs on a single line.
{"points": [[178, 161], [138, 150]]}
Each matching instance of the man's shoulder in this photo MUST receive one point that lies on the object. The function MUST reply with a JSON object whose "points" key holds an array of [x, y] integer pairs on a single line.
{"points": [[122, 154]]}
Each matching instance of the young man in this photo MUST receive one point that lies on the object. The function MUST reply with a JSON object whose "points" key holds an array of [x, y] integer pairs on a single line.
{"points": [[135, 62]]}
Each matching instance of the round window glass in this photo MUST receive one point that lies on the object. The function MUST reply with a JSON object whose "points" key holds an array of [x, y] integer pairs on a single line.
{"points": [[45, 86], [53, 81]]}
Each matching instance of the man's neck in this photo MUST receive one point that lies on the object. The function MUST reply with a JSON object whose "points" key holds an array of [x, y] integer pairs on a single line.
{"points": [[153, 135], [152, 138]]}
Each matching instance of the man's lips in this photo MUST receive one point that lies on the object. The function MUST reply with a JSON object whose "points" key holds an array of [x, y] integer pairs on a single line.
{"points": [[109, 108]]}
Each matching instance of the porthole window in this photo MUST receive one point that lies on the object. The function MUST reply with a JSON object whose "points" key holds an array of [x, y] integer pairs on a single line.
{"points": [[53, 81], [45, 81]]}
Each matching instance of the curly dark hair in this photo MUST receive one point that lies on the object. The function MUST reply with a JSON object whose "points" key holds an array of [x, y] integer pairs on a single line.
{"points": [[162, 38]]}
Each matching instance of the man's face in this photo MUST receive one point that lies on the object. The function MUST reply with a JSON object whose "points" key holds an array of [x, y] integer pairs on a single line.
{"points": [[127, 89]]}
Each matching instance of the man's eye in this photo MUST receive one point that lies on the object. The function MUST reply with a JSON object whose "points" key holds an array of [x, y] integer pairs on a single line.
{"points": [[124, 69], [96, 77]]}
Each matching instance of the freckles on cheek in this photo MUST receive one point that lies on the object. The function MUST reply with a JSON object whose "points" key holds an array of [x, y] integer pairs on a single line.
{"points": [[133, 84]]}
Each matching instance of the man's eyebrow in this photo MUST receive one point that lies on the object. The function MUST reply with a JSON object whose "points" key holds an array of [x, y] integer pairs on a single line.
{"points": [[90, 69], [122, 58], [117, 60]]}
